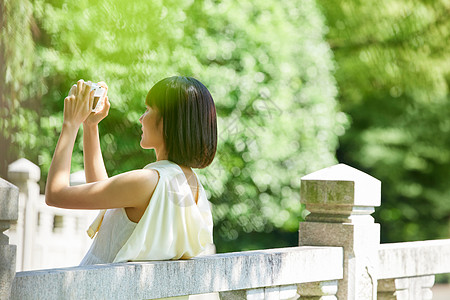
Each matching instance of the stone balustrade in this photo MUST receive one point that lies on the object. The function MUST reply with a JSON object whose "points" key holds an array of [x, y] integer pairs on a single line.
{"points": [[406, 270], [339, 257], [312, 272], [250, 272], [46, 236]]}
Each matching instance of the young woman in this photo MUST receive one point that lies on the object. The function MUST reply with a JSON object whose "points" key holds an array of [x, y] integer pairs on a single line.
{"points": [[161, 211]]}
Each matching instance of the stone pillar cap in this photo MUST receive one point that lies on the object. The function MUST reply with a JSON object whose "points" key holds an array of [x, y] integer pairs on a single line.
{"points": [[23, 169], [340, 185]]}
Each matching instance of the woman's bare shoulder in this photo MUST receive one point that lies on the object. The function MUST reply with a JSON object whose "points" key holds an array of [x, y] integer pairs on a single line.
{"points": [[138, 176]]}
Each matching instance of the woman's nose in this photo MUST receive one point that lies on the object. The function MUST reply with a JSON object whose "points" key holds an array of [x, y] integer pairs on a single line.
{"points": [[140, 119]]}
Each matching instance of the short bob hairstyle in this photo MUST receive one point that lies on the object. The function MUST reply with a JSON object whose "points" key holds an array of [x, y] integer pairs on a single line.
{"points": [[189, 120]]}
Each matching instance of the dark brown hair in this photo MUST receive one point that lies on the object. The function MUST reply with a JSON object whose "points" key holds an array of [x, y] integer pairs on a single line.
{"points": [[189, 120]]}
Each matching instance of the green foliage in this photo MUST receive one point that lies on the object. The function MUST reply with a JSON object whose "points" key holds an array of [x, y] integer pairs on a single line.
{"points": [[266, 66], [19, 86], [393, 75], [268, 69]]}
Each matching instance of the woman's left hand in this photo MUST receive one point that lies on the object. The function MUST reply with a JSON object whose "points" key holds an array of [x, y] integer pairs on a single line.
{"points": [[77, 106]]}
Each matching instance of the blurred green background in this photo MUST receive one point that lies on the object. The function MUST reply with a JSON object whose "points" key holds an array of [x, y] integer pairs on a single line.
{"points": [[298, 86]]}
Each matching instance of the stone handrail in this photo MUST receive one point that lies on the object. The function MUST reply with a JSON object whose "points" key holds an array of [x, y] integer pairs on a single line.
{"points": [[339, 257], [236, 274], [406, 270], [248, 271], [411, 259]]}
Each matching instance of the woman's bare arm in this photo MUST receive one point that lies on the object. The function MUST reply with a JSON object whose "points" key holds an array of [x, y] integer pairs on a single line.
{"points": [[94, 167], [131, 189]]}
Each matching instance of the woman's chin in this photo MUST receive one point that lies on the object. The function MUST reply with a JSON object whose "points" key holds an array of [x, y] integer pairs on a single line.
{"points": [[144, 145]]}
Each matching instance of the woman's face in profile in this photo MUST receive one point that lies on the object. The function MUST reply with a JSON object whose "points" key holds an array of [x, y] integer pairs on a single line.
{"points": [[152, 131]]}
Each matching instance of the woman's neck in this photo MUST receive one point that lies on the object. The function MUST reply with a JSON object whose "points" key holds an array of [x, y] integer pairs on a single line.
{"points": [[161, 155]]}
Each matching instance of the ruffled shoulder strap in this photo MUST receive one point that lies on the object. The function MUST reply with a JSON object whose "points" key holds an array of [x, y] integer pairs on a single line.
{"points": [[173, 226]]}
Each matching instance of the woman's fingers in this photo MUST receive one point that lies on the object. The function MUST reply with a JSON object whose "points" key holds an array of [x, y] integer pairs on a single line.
{"points": [[91, 99], [103, 84], [70, 98], [80, 84], [86, 90], [88, 95], [105, 109], [73, 90], [106, 106], [78, 104]]}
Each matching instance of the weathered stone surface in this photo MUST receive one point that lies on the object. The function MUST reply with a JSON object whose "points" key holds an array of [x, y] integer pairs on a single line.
{"points": [[409, 288], [9, 195], [7, 269], [340, 185], [255, 294], [414, 259], [288, 292], [22, 170], [324, 290], [406, 269], [235, 295], [360, 244], [159, 279], [387, 289], [341, 199], [9, 201], [25, 175], [285, 292]]}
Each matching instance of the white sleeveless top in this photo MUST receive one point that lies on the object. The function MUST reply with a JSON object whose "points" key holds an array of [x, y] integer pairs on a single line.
{"points": [[115, 230], [172, 227]]}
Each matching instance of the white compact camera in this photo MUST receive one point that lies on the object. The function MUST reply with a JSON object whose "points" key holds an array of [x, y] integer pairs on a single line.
{"points": [[99, 95]]}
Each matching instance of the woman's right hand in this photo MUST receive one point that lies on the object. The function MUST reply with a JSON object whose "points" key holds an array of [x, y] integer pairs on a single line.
{"points": [[95, 117]]}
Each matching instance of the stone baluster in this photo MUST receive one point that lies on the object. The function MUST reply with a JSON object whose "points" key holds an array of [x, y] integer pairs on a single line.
{"points": [[284, 292], [46, 226], [408, 288], [69, 225], [9, 195], [25, 175], [325, 290], [340, 200]]}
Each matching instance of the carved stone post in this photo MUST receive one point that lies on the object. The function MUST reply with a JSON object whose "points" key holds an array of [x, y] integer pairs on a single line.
{"points": [[9, 195], [341, 200], [25, 175]]}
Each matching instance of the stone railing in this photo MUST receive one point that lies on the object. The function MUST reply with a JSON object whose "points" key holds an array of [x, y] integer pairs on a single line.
{"points": [[46, 237], [9, 200], [339, 257], [406, 270], [237, 275]]}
